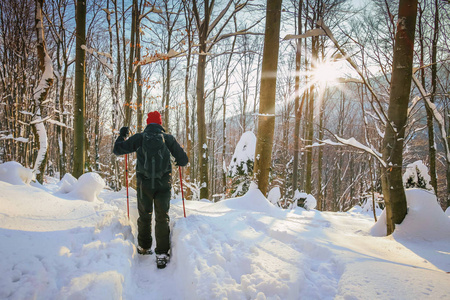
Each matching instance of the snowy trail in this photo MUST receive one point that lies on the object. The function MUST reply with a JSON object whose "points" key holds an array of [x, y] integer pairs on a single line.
{"points": [[237, 254], [146, 281], [54, 246], [222, 252]]}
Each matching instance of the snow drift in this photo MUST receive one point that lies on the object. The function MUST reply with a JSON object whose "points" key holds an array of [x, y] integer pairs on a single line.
{"points": [[88, 187], [14, 173], [425, 218]]}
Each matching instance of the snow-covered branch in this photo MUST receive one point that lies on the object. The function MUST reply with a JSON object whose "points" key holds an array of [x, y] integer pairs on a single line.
{"points": [[11, 137], [40, 120], [61, 124], [352, 142], [237, 33], [100, 56], [309, 33], [160, 56]]}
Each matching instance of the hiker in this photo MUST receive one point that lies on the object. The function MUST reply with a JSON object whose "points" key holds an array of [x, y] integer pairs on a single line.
{"points": [[153, 172]]}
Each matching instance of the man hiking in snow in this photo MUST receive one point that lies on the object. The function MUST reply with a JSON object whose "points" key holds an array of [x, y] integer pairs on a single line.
{"points": [[153, 173]]}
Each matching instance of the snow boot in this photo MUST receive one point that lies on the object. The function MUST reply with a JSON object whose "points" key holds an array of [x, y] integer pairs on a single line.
{"points": [[143, 251], [162, 260]]}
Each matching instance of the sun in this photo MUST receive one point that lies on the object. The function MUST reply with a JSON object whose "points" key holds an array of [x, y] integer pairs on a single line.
{"points": [[326, 73]]}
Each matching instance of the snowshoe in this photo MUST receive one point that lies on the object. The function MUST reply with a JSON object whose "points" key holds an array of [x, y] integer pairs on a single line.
{"points": [[162, 260], [143, 251]]}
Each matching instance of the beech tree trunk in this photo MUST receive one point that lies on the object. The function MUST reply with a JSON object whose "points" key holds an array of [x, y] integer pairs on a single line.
{"points": [[80, 92], [202, 142], [266, 118], [392, 183], [203, 28]]}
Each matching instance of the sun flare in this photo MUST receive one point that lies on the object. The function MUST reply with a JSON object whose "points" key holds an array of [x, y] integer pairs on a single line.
{"points": [[326, 73]]}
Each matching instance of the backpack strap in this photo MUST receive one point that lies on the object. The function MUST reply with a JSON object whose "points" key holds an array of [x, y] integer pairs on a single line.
{"points": [[153, 172]]}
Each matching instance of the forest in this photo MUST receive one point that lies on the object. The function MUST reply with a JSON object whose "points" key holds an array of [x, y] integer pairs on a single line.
{"points": [[318, 84]]}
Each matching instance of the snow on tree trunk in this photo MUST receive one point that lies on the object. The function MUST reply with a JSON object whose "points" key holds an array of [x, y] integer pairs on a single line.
{"points": [[40, 94]]}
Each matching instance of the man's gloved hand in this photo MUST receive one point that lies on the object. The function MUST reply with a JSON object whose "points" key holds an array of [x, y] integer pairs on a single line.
{"points": [[124, 131]]}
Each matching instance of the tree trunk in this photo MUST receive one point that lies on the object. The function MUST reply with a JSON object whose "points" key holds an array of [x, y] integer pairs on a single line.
{"points": [[167, 85], [61, 130], [297, 107], [188, 133], [320, 158], [139, 110], [129, 82], [430, 117], [80, 91], [224, 122], [431, 142], [392, 184], [40, 94], [266, 118], [448, 164], [97, 136], [202, 142], [310, 130], [201, 120], [114, 80]]}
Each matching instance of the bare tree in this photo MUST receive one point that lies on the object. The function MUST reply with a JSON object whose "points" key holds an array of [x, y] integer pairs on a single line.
{"points": [[40, 93], [205, 28]]}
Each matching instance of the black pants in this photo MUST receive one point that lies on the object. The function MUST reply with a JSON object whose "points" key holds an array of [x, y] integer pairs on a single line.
{"points": [[159, 198]]}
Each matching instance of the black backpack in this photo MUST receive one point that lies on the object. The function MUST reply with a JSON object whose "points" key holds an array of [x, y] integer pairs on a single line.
{"points": [[156, 156]]}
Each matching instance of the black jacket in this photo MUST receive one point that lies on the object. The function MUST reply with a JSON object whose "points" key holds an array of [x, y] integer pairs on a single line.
{"points": [[134, 143]]}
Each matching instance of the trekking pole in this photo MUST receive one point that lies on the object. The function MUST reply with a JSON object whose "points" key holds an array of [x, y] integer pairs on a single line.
{"points": [[126, 182], [182, 194]]}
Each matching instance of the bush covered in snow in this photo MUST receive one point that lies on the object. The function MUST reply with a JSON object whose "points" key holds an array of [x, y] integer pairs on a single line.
{"points": [[300, 199], [241, 165], [416, 176], [305, 200], [14, 173], [365, 205]]}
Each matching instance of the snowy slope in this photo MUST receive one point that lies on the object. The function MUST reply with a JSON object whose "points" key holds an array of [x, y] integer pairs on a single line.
{"points": [[54, 246]]}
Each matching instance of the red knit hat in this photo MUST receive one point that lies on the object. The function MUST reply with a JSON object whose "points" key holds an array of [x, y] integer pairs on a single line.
{"points": [[154, 117]]}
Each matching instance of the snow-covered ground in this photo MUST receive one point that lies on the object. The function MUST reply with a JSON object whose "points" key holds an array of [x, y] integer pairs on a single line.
{"points": [[58, 242]]}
